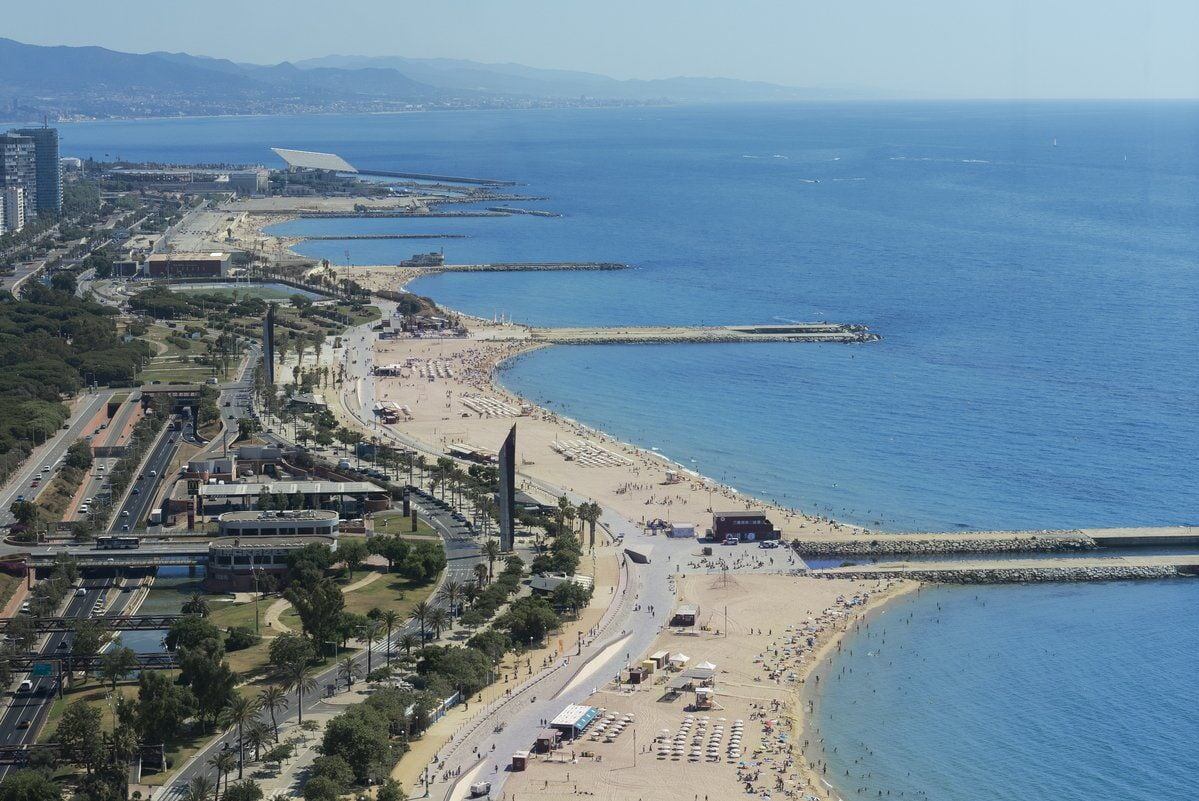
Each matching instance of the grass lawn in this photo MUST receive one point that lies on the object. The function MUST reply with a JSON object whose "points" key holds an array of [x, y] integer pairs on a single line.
{"points": [[8, 585], [95, 694], [387, 523]]}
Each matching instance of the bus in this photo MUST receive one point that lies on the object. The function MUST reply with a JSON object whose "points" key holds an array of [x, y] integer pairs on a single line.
{"points": [[117, 542]]}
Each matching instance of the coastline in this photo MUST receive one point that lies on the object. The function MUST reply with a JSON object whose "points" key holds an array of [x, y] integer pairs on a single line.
{"points": [[808, 698]]}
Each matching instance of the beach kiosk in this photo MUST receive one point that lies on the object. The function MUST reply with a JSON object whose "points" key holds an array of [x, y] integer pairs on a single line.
{"points": [[681, 531], [660, 658], [520, 760], [574, 720], [685, 615]]}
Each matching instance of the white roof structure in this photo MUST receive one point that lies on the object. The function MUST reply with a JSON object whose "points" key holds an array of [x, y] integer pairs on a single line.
{"points": [[289, 488], [311, 160]]}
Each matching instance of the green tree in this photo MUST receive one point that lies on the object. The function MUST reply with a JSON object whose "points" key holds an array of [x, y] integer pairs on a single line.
{"points": [[29, 785], [88, 637], [162, 707], [334, 768], [198, 789], [359, 735], [197, 605], [116, 664], [353, 553], [78, 736], [319, 607], [529, 619], [391, 791], [491, 549], [223, 762], [290, 649], [321, 789]]}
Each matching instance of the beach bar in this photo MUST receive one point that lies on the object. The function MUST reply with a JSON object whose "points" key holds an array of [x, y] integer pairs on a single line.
{"points": [[574, 720]]}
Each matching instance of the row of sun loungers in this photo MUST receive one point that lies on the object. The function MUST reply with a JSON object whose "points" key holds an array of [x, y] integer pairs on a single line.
{"points": [[588, 454]]}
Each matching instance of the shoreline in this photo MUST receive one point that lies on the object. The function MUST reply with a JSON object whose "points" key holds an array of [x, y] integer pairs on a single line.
{"points": [[808, 697]]}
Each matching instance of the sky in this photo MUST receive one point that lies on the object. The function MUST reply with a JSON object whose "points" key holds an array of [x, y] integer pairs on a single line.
{"points": [[906, 48]]}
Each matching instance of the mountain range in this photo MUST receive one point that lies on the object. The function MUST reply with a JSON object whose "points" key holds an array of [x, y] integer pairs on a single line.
{"points": [[73, 82]]}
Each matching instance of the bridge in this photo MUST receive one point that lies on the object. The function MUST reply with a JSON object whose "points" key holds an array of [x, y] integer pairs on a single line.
{"points": [[23, 663], [153, 555], [112, 623]]}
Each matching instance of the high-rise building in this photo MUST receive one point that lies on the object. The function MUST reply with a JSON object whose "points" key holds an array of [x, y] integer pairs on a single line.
{"points": [[18, 169], [12, 212], [47, 167], [507, 493]]}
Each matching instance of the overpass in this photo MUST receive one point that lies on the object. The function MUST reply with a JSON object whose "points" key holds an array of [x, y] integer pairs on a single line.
{"points": [[23, 663], [109, 622], [188, 553]]}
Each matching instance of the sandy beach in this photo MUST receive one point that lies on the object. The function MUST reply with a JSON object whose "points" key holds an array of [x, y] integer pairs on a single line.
{"points": [[746, 743]]}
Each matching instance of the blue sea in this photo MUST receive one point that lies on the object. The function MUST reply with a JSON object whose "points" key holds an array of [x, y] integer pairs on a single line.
{"points": [[1032, 269], [1070, 692]]}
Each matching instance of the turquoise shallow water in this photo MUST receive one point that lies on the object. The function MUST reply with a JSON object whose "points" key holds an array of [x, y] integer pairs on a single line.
{"points": [[1065, 692]]}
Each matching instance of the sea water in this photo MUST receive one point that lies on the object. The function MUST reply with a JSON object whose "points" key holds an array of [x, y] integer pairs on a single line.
{"points": [[1071, 692], [1038, 307]]}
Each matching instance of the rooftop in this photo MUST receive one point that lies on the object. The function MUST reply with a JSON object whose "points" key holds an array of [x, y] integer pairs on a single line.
{"points": [[269, 542], [188, 255], [291, 514], [289, 487], [311, 160]]}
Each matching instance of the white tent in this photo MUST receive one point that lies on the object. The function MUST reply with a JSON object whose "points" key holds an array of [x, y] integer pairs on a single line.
{"points": [[705, 666], [679, 659]]}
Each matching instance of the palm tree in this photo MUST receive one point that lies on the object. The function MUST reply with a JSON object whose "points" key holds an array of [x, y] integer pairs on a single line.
{"points": [[590, 513], [223, 761], [273, 698], [420, 613], [451, 593], [491, 549], [372, 634], [349, 670], [481, 574], [299, 677], [563, 505], [198, 789], [196, 605], [439, 619], [258, 737], [240, 713], [390, 619], [407, 642]]}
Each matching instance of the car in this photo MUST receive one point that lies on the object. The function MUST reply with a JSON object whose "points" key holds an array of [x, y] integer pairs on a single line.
{"points": [[125, 513], [23, 724], [125, 527], [25, 687], [20, 498], [62, 646], [153, 473], [137, 491], [87, 502], [79, 593]]}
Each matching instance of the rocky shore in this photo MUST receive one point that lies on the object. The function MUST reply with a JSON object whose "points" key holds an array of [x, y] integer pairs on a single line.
{"points": [[1010, 575], [1024, 542]]}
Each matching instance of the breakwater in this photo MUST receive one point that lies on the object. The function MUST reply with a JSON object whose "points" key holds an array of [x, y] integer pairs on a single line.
{"points": [[813, 332], [527, 266], [530, 212], [1023, 574], [1014, 542], [448, 179], [393, 214], [384, 236]]}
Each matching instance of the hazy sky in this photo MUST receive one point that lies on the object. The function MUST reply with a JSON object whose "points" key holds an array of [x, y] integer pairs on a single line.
{"points": [[941, 48]]}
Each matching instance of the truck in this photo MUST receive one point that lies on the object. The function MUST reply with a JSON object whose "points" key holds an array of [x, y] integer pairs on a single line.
{"points": [[155, 517]]}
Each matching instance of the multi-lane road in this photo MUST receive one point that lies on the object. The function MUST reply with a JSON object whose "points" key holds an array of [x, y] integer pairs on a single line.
{"points": [[49, 454], [26, 711]]}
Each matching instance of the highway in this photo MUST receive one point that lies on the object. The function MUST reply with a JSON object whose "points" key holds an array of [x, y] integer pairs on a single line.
{"points": [[26, 711], [137, 502], [49, 454]]}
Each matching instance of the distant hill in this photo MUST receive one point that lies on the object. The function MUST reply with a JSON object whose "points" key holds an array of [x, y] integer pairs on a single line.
{"points": [[66, 82], [517, 79]]}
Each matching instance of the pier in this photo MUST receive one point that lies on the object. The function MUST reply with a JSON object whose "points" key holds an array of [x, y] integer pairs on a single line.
{"points": [[394, 213], [1011, 571], [385, 236], [636, 335], [448, 179], [527, 267]]}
